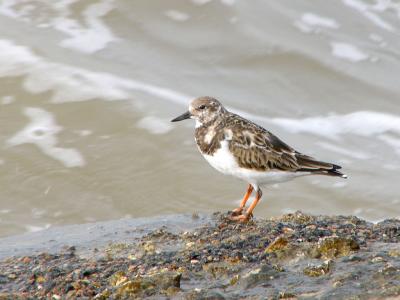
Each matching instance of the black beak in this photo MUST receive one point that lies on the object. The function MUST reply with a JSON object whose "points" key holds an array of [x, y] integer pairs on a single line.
{"points": [[184, 116]]}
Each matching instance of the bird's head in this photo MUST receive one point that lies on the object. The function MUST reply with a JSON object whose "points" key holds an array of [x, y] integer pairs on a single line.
{"points": [[204, 110]]}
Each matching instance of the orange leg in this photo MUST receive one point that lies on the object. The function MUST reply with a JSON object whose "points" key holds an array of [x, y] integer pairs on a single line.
{"points": [[238, 211], [249, 213]]}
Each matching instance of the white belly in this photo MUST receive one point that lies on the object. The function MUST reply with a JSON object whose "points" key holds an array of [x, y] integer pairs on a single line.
{"points": [[225, 162]]}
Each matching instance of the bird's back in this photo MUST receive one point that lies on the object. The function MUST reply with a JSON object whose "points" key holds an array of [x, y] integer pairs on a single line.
{"points": [[255, 148]]}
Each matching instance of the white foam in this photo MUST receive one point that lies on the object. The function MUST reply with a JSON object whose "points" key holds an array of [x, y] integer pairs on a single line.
{"points": [[176, 15], [366, 11], [5, 211], [201, 2], [33, 228], [41, 131], [88, 36], [47, 190], [155, 125], [72, 84], [95, 35], [5, 100], [362, 123], [6, 9], [83, 132], [228, 2], [348, 52], [13, 59], [316, 20]]}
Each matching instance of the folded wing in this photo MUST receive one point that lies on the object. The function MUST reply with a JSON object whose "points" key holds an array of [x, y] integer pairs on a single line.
{"points": [[258, 149]]}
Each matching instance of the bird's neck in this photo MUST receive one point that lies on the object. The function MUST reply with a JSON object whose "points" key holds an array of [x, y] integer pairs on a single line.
{"points": [[207, 137]]}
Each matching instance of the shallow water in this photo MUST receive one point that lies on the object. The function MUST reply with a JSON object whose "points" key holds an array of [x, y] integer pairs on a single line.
{"points": [[87, 89]]}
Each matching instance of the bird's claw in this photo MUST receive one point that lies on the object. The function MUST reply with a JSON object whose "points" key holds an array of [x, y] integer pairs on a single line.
{"points": [[237, 211], [242, 218]]}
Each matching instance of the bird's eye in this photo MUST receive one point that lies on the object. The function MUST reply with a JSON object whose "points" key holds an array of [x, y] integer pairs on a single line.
{"points": [[202, 106]]}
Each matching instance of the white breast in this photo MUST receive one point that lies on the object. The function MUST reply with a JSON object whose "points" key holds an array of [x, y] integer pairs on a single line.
{"points": [[224, 161]]}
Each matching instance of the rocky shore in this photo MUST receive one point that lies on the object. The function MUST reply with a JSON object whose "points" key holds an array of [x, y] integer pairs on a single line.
{"points": [[295, 256]]}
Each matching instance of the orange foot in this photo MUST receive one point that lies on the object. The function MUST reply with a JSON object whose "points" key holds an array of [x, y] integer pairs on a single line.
{"points": [[243, 218], [237, 211]]}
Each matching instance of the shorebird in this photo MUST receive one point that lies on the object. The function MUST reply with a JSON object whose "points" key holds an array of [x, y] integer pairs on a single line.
{"points": [[236, 146]]}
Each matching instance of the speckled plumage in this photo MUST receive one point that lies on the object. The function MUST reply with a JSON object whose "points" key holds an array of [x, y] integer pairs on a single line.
{"points": [[236, 146], [256, 148]]}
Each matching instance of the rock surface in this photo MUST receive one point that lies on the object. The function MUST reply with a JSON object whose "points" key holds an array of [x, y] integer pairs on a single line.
{"points": [[293, 256]]}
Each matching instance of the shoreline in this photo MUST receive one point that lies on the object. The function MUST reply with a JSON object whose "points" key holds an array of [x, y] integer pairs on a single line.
{"points": [[85, 237], [206, 257]]}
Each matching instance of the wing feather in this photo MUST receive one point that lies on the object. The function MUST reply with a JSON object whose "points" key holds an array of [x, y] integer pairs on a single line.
{"points": [[258, 149]]}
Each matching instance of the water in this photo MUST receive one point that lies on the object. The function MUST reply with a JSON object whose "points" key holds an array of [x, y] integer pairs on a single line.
{"points": [[87, 89]]}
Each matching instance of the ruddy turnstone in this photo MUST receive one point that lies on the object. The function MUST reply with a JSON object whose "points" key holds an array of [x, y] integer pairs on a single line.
{"points": [[236, 146]]}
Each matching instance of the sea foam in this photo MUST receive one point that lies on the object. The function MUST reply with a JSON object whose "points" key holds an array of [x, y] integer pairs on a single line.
{"points": [[88, 36], [311, 22], [177, 15], [348, 52], [367, 10], [95, 35], [317, 20], [155, 125], [42, 131], [73, 84], [363, 123]]}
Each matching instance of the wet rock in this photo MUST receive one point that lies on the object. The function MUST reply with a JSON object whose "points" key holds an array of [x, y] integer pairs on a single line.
{"points": [[331, 247], [319, 270], [147, 285], [259, 276], [394, 253], [234, 279], [149, 247], [218, 269], [103, 295], [200, 294], [298, 217], [279, 244], [262, 259], [287, 295], [212, 295], [118, 278]]}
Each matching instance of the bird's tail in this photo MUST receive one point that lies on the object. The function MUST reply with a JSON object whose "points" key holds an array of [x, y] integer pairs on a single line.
{"points": [[309, 164]]}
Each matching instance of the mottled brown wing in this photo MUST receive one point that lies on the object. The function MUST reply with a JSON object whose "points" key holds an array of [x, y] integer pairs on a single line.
{"points": [[258, 149]]}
